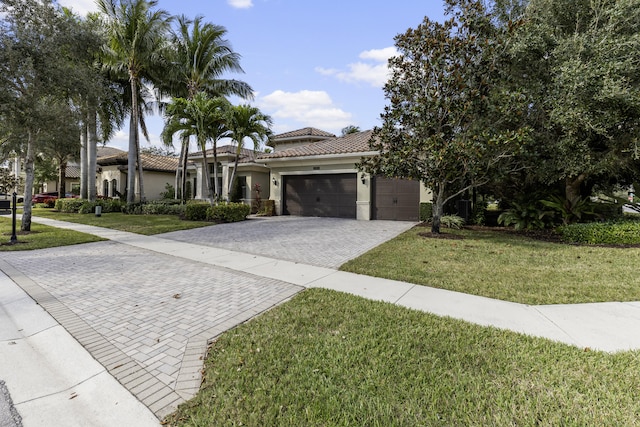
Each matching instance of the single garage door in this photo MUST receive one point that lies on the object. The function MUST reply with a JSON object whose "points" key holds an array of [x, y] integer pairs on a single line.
{"points": [[327, 195], [396, 199]]}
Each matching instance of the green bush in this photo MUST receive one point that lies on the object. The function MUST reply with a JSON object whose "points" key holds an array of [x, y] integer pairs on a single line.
{"points": [[196, 211], [69, 205], [449, 221], [479, 213], [228, 212], [604, 233], [426, 211], [161, 207]]}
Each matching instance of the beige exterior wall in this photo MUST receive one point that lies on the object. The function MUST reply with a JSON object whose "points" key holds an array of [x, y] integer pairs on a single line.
{"points": [[326, 165], [154, 183]]}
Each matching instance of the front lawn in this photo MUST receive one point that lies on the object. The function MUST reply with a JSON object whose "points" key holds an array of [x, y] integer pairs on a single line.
{"points": [[141, 224], [506, 266], [40, 237], [332, 359]]}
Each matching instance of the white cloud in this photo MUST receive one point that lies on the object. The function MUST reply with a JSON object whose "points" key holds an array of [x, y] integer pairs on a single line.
{"points": [[304, 108], [375, 71], [240, 4], [80, 7]]}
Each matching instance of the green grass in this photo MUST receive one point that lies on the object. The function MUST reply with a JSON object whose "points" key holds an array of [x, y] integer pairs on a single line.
{"points": [[141, 224], [331, 359], [507, 267], [40, 237]]}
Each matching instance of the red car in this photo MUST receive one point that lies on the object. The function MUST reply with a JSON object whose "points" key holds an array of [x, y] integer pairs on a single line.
{"points": [[42, 197]]}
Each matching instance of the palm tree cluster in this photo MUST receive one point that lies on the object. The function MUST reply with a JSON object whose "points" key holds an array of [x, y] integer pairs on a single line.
{"points": [[124, 61]]}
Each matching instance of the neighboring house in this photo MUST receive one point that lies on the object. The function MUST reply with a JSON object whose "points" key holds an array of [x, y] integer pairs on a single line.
{"points": [[72, 173], [249, 174], [313, 173], [158, 171]]}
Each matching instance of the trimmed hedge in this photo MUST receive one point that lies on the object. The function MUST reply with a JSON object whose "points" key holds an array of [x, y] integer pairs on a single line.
{"points": [[156, 207], [603, 233], [196, 211], [228, 212], [84, 206]]}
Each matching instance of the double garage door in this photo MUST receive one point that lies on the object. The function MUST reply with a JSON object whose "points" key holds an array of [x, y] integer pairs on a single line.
{"points": [[335, 195]]}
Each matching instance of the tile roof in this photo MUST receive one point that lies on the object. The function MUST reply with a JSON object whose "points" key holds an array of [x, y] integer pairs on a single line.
{"points": [[246, 155], [309, 131], [352, 143], [72, 172], [150, 162], [107, 151]]}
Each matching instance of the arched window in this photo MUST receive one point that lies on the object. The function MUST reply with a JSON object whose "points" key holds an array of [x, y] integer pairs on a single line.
{"points": [[105, 188], [114, 188]]}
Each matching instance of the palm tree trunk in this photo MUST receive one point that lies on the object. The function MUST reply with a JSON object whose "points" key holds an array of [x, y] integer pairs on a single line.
{"points": [[215, 169], [132, 154], [185, 156], [207, 175], [92, 143], [140, 170], [28, 185], [62, 177], [83, 160]]}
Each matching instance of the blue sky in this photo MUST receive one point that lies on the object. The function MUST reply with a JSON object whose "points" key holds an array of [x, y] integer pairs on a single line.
{"points": [[319, 63]]}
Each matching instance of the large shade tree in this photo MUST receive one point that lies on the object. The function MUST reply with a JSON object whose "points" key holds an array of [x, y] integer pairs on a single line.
{"points": [[201, 57], [578, 62], [38, 78], [449, 120], [137, 42]]}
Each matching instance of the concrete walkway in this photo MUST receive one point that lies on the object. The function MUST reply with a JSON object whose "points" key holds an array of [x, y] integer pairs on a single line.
{"points": [[149, 319]]}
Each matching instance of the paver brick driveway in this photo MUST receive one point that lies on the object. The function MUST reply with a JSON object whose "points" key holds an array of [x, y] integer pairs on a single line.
{"points": [[324, 242]]}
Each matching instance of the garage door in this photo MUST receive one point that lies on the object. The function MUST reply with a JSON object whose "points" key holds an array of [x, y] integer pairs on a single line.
{"points": [[396, 199], [327, 195]]}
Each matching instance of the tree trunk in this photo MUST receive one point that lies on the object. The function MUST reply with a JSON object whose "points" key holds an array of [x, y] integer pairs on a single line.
{"points": [[28, 185], [207, 175], [91, 155], [62, 177], [185, 156], [215, 169], [438, 208], [572, 188], [84, 168], [131, 161]]}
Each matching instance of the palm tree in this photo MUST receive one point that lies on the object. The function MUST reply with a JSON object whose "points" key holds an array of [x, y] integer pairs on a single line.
{"points": [[137, 38], [202, 117], [201, 56], [246, 121]]}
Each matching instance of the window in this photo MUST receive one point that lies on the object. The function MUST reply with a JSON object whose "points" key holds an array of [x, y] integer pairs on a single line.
{"points": [[114, 188], [105, 188]]}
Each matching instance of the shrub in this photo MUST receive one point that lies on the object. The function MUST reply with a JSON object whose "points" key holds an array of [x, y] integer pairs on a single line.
{"points": [[479, 214], [69, 205], [196, 211], [426, 211], [449, 221], [162, 207], [607, 233], [228, 212], [523, 216]]}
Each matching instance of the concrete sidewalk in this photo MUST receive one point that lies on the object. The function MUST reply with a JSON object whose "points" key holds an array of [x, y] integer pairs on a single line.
{"points": [[605, 326], [52, 380]]}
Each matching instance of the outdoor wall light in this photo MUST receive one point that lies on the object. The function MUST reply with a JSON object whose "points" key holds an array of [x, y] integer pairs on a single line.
{"points": [[275, 182], [363, 179]]}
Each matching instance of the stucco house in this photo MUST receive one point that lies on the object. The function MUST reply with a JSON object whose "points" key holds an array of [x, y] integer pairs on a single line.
{"points": [[158, 171], [249, 173], [313, 173]]}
